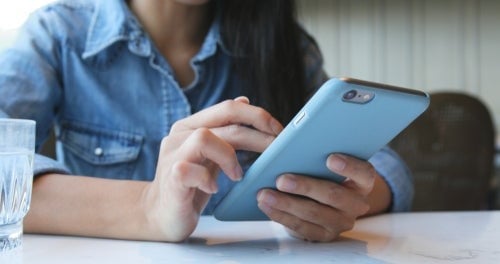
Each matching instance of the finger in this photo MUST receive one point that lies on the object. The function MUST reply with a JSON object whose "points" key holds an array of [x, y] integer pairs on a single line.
{"points": [[244, 138], [231, 112], [242, 99], [203, 145], [360, 173], [326, 192], [192, 175], [306, 218]]}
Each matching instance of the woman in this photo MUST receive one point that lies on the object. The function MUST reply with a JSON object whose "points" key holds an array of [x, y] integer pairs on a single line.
{"points": [[164, 95]]}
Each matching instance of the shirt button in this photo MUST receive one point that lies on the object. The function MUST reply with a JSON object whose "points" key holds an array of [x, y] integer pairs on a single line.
{"points": [[98, 151]]}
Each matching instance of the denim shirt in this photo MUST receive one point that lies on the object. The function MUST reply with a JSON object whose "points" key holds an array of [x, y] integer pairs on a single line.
{"points": [[88, 68]]}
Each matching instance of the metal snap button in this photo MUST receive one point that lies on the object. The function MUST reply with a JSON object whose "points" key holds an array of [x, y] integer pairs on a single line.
{"points": [[98, 151]]}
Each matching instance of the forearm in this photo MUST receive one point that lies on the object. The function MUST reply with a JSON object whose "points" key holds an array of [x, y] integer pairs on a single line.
{"points": [[86, 206]]}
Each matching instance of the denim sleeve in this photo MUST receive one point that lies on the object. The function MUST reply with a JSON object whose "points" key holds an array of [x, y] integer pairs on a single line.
{"points": [[29, 81], [397, 175], [43, 165]]}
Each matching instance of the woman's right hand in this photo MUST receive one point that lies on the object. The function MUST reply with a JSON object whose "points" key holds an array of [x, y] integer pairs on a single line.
{"points": [[192, 155]]}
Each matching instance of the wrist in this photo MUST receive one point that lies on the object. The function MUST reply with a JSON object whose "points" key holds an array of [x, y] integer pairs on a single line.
{"points": [[380, 198]]}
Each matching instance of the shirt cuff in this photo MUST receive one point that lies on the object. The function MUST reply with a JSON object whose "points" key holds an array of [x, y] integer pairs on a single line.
{"points": [[396, 174], [44, 165]]}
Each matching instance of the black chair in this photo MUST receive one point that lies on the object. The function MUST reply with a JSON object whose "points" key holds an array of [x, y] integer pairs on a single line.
{"points": [[450, 150]]}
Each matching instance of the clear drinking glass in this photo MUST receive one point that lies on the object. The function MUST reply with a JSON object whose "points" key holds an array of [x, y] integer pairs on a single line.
{"points": [[17, 147]]}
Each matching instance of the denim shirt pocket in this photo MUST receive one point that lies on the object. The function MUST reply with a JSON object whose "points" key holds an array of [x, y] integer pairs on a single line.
{"points": [[105, 153]]}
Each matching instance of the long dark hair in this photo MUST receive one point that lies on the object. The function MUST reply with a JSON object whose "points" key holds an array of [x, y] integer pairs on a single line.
{"points": [[266, 35]]}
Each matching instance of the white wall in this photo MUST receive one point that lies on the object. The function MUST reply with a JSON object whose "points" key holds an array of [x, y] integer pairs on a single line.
{"points": [[425, 44]]}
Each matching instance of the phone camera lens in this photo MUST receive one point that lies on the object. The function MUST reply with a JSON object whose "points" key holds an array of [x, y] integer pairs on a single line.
{"points": [[349, 95]]}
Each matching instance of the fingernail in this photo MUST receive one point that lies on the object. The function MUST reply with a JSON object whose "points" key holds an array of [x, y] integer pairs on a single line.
{"points": [[336, 163], [242, 99], [265, 208], [215, 189], [276, 126], [266, 198], [238, 172], [286, 183]]}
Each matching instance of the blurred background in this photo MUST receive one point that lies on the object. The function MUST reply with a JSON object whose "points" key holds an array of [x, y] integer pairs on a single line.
{"points": [[12, 16], [424, 44], [431, 45]]}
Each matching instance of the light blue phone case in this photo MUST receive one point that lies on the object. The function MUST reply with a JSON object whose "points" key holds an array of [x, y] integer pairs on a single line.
{"points": [[326, 124]]}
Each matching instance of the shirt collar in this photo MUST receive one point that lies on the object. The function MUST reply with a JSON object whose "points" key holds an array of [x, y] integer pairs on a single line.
{"points": [[113, 21], [212, 39]]}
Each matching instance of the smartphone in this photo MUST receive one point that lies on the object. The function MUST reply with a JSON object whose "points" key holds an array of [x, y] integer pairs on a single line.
{"points": [[345, 115]]}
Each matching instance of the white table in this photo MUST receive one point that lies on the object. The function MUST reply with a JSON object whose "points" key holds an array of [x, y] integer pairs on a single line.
{"points": [[454, 237]]}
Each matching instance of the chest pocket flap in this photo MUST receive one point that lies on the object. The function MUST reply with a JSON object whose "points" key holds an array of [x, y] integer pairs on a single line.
{"points": [[99, 146]]}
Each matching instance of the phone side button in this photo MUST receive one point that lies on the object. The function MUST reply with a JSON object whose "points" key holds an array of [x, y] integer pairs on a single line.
{"points": [[299, 118]]}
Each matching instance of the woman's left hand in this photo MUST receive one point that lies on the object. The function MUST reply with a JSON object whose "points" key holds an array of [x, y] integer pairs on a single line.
{"points": [[320, 210]]}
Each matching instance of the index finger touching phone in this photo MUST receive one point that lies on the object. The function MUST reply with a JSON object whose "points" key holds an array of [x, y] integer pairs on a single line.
{"points": [[229, 112]]}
